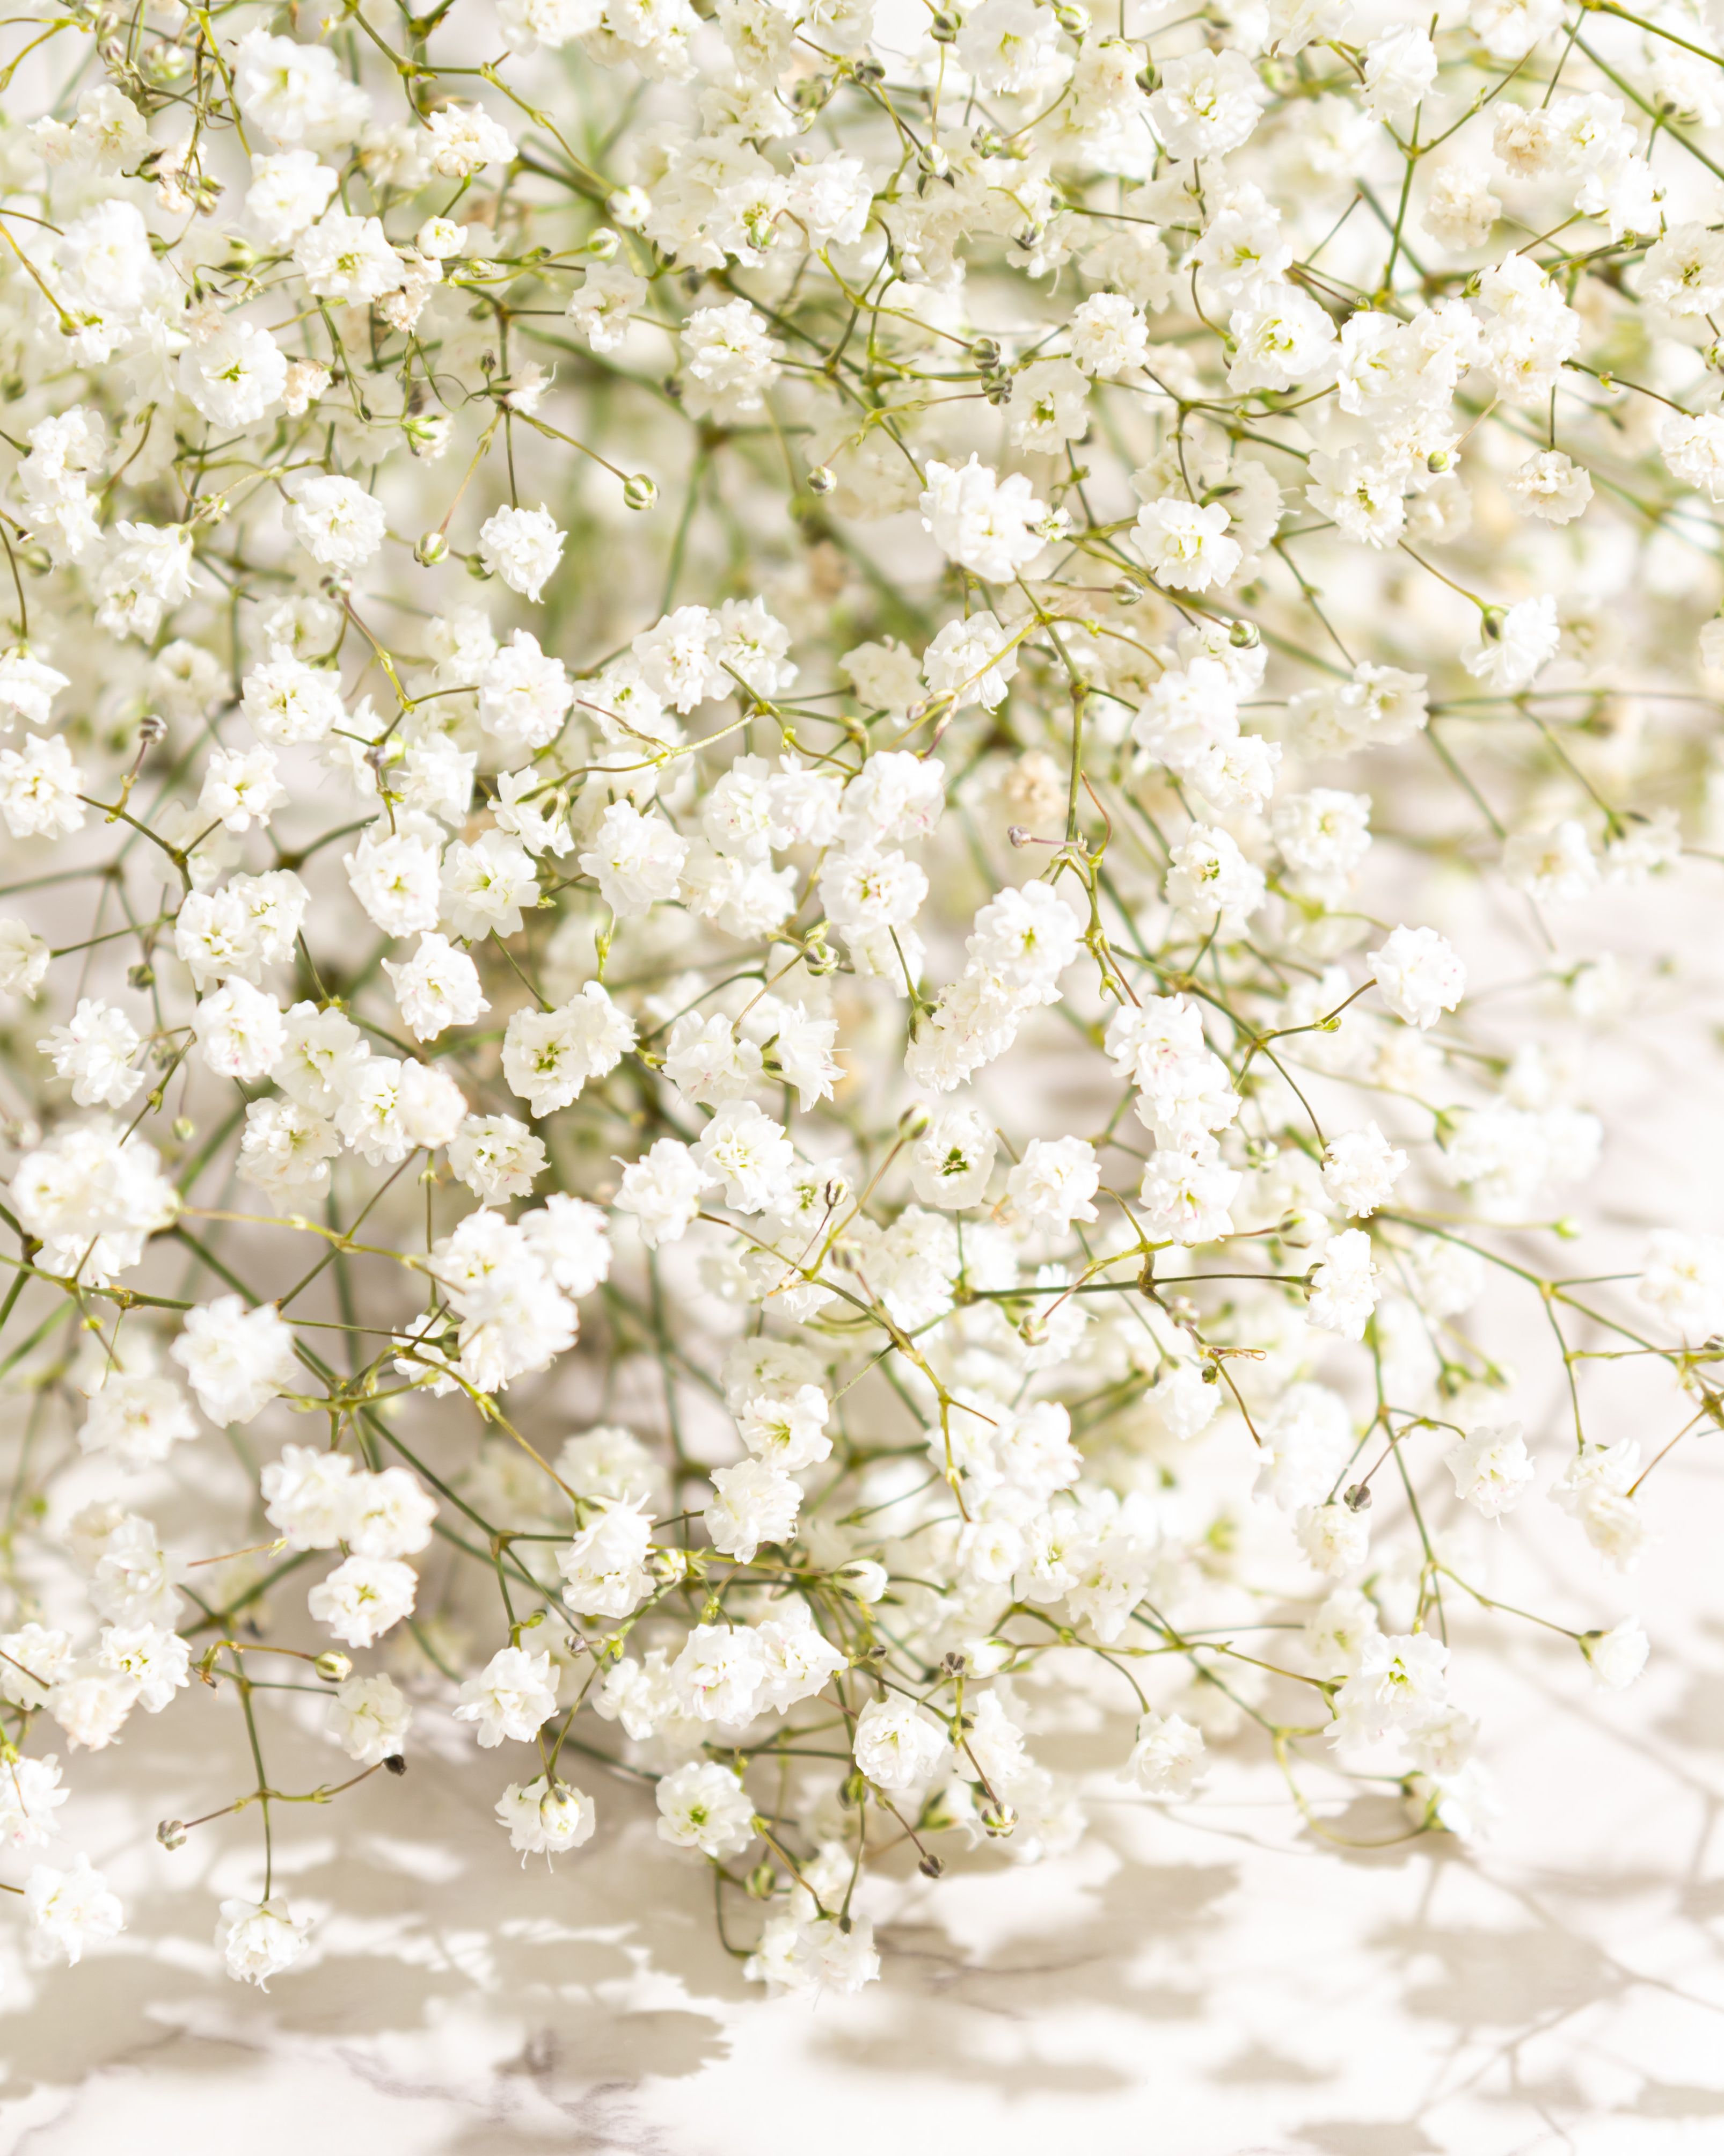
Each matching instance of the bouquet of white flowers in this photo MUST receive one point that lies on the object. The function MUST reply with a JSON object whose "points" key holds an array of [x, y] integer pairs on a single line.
{"points": [[756, 756]]}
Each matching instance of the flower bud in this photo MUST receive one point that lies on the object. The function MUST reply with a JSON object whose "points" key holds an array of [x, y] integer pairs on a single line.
{"points": [[1244, 636], [945, 27], [431, 548], [1491, 624], [985, 354], [171, 1834], [1358, 1497], [820, 480], [863, 1578], [640, 492], [601, 244], [1128, 591], [333, 1666], [914, 1121], [1073, 20]]}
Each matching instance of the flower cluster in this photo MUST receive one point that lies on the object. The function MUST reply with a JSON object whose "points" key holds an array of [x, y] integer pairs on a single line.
{"points": [[757, 763]]}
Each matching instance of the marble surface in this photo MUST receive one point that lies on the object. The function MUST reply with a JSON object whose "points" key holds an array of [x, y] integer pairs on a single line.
{"points": [[1205, 1981]]}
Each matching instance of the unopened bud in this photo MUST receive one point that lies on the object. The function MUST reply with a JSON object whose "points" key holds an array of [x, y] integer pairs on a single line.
{"points": [[985, 354], [1438, 461], [931, 1866], [395, 1764], [1491, 625], [914, 1121], [1147, 80], [333, 1666], [184, 1129], [601, 244], [1073, 20], [820, 480], [430, 549], [151, 730], [945, 27], [1019, 835], [999, 389], [761, 1881], [1244, 636], [639, 491], [1128, 591], [1358, 1498], [171, 1834]]}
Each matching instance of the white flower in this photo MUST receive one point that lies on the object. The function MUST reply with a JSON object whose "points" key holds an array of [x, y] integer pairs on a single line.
{"points": [[1683, 1282], [704, 1806], [288, 192], [1167, 1759], [464, 139], [720, 1672], [549, 1056], [336, 521], [605, 1567], [522, 546], [234, 376], [24, 958], [545, 1818], [1490, 1468], [69, 1911], [259, 1939], [756, 1502], [635, 860], [1360, 1170], [369, 1719], [237, 1360], [95, 1051], [1513, 646], [746, 1151], [364, 1597], [1419, 975], [662, 1189], [436, 988], [1344, 1284], [730, 361], [1400, 1685], [982, 522], [512, 1696], [1551, 487], [1616, 1657], [348, 258], [1185, 546], [39, 787], [898, 1743], [524, 695], [29, 1795]]}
